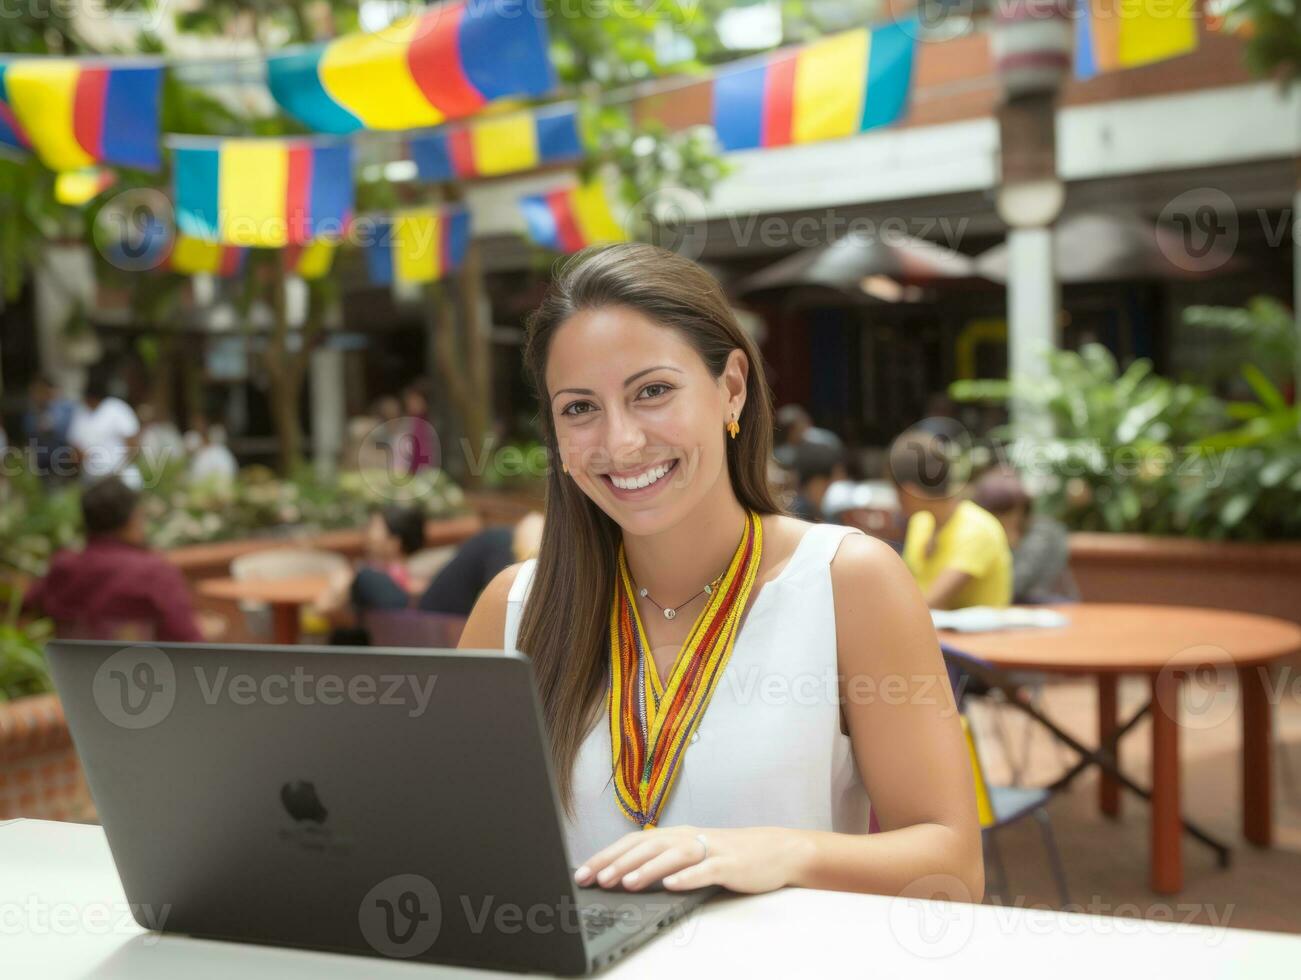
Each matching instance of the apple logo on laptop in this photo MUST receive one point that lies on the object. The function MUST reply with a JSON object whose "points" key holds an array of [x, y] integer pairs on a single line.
{"points": [[301, 801]]}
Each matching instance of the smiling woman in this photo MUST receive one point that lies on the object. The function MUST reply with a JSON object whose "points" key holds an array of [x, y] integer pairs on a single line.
{"points": [[714, 673]]}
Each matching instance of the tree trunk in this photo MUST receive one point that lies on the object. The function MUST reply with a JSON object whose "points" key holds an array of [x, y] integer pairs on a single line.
{"points": [[477, 361], [441, 334]]}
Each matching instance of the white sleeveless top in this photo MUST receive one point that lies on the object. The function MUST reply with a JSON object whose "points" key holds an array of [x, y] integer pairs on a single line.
{"points": [[769, 750]]}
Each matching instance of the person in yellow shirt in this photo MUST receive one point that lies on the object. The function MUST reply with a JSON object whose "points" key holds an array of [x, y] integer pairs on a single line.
{"points": [[957, 551]]}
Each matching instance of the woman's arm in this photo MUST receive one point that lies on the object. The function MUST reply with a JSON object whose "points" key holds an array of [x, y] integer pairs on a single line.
{"points": [[907, 740]]}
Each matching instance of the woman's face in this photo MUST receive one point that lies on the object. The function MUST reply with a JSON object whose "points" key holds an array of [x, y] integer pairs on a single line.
{"points": [[639, 419]]}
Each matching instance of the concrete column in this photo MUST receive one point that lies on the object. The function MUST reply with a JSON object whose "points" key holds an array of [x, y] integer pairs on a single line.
{"points": [[329, 412], [1296, 280], [1032, 301]]}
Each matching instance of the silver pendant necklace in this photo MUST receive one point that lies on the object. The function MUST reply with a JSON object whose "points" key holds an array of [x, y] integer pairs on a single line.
{"points": [[671, 612]]}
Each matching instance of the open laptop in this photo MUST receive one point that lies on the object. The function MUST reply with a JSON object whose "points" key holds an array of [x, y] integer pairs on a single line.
{"points": [[395, 803]]}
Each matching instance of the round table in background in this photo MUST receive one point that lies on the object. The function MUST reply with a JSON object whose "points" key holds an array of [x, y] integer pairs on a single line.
{"points": [[285, 596], [1163, 644]]}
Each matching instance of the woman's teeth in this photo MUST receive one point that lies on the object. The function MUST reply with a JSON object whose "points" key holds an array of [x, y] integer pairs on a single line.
{"points": [[643, 480]]}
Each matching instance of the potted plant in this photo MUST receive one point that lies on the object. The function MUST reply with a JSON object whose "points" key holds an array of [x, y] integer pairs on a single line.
{"points": [[1173, 495], [39, 772]]}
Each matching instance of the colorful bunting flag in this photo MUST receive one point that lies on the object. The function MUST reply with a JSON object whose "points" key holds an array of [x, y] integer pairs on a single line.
{"points": [[571, 218], [831, 88], [503, 144], [441, 64], [78, 187], [1115, 34], [311, 261], [417, 245], [263, 192], [193, 256], [12, 135], [74, 114]]}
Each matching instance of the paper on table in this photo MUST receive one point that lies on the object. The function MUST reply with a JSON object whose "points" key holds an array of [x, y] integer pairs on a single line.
{"points": [[983, 619]]}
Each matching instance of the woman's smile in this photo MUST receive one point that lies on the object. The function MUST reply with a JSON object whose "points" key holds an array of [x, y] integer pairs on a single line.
{"points": [[640, 484]]}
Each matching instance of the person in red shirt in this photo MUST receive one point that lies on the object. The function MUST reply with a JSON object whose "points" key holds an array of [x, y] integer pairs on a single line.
{"points": [[115, 580]]}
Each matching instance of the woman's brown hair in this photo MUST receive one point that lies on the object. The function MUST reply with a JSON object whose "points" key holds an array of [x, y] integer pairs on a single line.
{"points": [[565, 628]]}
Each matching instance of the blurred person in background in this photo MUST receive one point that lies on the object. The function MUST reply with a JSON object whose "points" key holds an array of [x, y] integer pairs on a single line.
{"points": [[1040, 545], [104, 432], [371, 438], [797, 435], [115, 578], [45, 425], [382, 579], [456, 588], [210, 459], [161, 442], [957, 551], [814, 473], [420, 446]]}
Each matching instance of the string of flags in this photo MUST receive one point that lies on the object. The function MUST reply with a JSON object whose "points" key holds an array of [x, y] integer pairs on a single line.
{"points": [[456, 66]]}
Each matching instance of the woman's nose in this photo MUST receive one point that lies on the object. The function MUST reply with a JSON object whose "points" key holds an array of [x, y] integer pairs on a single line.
{"points": [[624, 438]]}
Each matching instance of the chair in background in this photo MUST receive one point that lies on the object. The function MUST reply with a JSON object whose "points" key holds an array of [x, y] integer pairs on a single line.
{"points": [[1000, 806], [1034, 682], [413, 628], [282, 563]]}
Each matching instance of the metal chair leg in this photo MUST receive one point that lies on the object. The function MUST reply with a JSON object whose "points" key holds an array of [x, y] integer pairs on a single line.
{"points": [[1054, 855], [997, 702]]}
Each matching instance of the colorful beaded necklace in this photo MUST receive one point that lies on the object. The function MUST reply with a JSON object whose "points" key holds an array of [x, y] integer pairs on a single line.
{"points": [[650, 723]]}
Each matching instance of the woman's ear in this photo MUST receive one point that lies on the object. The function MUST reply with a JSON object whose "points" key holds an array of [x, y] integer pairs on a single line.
{"points": [[736, 372]]}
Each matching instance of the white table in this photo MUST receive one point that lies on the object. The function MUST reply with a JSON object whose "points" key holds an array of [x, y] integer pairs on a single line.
{"points": [[63, 915]]}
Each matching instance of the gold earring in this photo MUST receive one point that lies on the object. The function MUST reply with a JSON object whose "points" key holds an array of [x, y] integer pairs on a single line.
{"points": [[565, 467], [733, 427]]}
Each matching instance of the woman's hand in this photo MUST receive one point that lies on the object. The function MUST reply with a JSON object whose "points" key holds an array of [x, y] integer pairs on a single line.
{"points": [[750, 859]]}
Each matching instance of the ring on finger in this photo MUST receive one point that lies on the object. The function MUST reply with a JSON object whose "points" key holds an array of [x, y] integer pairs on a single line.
{"points": [[704, 847]]}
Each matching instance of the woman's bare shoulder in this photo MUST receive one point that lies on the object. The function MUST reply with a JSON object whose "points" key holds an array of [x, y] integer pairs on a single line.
{"points": [[864, 561], [486, 627], [880, 611]]}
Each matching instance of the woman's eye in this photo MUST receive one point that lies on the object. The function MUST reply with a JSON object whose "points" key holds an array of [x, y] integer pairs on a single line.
{"points": [[655, 389], [577, 408]]}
